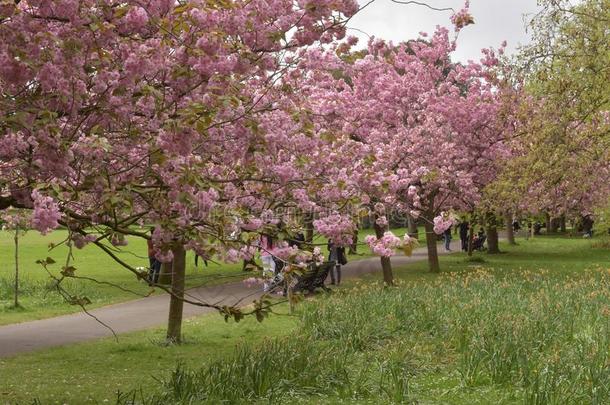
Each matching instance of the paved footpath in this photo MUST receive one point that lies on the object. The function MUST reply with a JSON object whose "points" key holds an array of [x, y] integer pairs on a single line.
{"points": [[153, 311]]}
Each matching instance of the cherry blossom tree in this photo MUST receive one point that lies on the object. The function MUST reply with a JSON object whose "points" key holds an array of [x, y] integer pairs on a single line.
{"points": [[426, 132], [116, 114]]}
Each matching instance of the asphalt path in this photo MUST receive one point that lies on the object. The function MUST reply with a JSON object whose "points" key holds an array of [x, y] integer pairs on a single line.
{"points": [[153, 311]]}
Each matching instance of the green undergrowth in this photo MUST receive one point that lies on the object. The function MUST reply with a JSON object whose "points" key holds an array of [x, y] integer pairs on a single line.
{"points": [[504, 332], [94, 372], [530, 326]]}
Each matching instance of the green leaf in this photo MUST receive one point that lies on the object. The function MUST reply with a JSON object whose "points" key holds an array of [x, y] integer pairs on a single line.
{"points": [[68, 271]]}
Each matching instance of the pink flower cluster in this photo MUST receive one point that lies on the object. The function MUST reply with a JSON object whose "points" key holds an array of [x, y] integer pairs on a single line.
{"points": [[337, 228], [385, 246], [443, 222], [462, 18], [81, 241], [46, 213]]}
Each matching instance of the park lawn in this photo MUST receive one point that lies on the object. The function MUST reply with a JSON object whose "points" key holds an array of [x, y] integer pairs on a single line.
{"points": [[39, 300], [558, 253], [428, 340], [528, 326], [93, 372]]}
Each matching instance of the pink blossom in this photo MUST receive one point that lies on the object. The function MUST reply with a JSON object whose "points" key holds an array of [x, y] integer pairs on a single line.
{"points": [[253, 224], [382, 221], [164, 256], [462, 18], [136, 18], [386, 245], [338, 228], [46, 213], [443, 222], [232, 256], [19, 220]]}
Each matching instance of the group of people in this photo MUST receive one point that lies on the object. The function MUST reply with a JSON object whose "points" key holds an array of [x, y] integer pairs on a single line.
{"points": [[478, 241], [273, 266]]}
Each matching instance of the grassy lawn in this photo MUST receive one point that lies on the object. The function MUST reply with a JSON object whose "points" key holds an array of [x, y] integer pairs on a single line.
{"points": [[561, 254], [93, 372], [528, 326], [39, 300]]}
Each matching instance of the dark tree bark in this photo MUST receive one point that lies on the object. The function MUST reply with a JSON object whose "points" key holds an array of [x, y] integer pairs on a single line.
{"points": [[547, 219], [492, 240], [510, 234], [176, 303], [308, 219], [471, 237], [386, 265], [9, 201], [431, 240], [554, 225], [165, 274], [562, 223], [492, 234]]}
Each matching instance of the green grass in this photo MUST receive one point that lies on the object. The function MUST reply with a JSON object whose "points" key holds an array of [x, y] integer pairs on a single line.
{"points": [[527, 326], [39, 299], [561, 254], [93, 372]]}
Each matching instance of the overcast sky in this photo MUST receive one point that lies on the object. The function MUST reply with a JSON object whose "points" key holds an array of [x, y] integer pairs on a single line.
{"points": [[495, 21]]}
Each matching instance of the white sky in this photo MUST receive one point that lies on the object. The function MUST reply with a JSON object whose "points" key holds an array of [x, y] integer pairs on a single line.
{"points": [[495, 21]]}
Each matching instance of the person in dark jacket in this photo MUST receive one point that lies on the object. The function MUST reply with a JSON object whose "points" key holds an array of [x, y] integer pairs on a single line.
{"points": [[337, 255], [447, 236], [154, 267], [464, 228]]}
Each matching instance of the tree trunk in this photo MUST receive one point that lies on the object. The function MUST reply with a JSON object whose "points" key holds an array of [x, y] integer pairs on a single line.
{"points": [[16, 267], [547, 219], [492, 235], [554, 225], [412, 227], [308, 229], [174, 323], [386, 265], [510, 234], [165, 274], [562, 223], [471, 237], [431, 240], [492, 240]]}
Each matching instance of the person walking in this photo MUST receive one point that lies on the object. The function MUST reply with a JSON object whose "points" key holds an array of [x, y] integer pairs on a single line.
{"points": [[337, 255], [266, 246], [447, 236], [516, 225], [464, 227], [154, 265]]}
